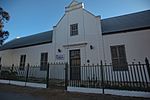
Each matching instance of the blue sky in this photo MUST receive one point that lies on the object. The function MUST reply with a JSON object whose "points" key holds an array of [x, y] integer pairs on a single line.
{"points": [[35, 16]]}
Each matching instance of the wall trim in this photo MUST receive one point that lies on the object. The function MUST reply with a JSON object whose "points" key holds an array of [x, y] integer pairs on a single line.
{"points": [[75, 44], [19, 83], [110, 91]]}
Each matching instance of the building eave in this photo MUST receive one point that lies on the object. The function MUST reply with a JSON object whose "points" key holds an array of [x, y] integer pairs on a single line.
{"points": [[125, 31]]}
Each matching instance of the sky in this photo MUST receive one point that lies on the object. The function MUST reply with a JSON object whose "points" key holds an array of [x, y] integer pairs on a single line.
{"points": [[29, 17]]}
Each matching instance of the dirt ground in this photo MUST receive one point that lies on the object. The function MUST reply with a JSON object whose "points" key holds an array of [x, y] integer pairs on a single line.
{"points": [[60, 94]]}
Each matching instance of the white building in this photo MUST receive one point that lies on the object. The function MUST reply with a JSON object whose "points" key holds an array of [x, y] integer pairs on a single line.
{"points": [[83, 38]]}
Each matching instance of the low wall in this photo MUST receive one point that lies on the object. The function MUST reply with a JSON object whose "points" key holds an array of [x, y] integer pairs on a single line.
{"points": [[37, 85], [110, 91]]}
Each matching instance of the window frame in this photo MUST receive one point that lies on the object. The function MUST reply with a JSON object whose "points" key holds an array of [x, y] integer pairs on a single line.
{"points": [[44, 61], [119, 62], [74, 29]]}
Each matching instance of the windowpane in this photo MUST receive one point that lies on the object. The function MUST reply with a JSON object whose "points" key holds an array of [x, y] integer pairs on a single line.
{"points": [[119, 58], [22, 62], [115, 61], [114, 52], [121, 51], [122, 61], [44, 59], [73, 29]]}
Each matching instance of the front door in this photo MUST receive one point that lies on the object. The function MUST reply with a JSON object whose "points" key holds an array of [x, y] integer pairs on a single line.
{"points": [[75, 63]]}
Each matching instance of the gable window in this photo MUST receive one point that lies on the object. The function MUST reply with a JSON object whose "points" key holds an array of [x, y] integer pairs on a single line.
{"points": [[73, 29], [118, 56], [22, 62], [44, 61]]}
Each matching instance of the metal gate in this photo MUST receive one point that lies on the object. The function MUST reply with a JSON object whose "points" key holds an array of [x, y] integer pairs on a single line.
{"points": [[56, 75]]}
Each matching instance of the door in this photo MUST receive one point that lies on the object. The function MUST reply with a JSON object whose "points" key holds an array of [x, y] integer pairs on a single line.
{"points": [[75, 63]]}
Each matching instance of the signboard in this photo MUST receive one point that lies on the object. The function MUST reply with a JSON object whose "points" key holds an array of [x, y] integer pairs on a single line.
{"points": [[60, 57]]}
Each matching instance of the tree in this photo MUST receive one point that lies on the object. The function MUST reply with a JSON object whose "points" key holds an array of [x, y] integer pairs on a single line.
{"points": [[4, 17]]}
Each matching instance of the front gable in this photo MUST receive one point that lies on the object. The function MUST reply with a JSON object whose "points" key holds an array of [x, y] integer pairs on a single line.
{"points": [[76, 14], [88, 30]]}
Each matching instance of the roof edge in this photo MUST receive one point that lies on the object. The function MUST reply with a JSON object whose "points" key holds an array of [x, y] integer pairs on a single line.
{"points": [[129, 30], [126, 14], [27, 45]]}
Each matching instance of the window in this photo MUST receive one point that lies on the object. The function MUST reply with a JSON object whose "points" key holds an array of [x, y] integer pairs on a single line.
{"points": [[118, 55], [22, 62], [44, 59], [73, 29]]}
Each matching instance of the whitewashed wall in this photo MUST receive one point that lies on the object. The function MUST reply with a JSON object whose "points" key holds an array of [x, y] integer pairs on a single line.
{"points": [[33, 54], [6, 57], [89, 29]]}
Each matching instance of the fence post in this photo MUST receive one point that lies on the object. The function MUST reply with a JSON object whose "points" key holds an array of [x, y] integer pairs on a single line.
{"points": [[0, 66], [0, 70], [102, 77], [147, 65], [66, 75], [27, 74], [12, 68], [47, 76], [11, 72]]}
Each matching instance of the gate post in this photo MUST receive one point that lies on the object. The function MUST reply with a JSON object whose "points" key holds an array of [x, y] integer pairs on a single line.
{"points": [[147, 65], [47, 76], [66, 75], [102, 77]]}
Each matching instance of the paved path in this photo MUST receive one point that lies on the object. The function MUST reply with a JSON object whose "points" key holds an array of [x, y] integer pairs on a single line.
{"points": [[17, 96]]}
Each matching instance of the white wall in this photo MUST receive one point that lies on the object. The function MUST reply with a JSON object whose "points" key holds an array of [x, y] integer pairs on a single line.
{"points": [[89, 29], [6, 57], [136, 43], [33, 54]]}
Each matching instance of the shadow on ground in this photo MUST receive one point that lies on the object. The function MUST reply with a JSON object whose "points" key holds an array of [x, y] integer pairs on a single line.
{"points": [[58, 94]]}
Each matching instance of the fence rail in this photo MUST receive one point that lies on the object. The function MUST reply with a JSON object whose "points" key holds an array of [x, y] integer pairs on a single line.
{"points": [[53, 75], [104, 76], [29, 74], [135, 77]]}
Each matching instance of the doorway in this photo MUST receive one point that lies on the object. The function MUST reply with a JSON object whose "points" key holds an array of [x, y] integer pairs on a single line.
{"points": [[75, 63]]}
